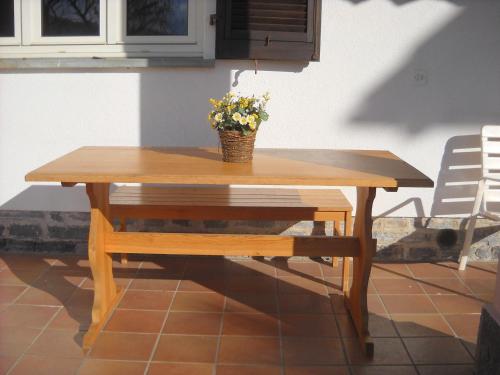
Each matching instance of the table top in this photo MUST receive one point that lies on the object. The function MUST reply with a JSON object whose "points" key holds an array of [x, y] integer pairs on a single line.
{"points": [[368, 168]]}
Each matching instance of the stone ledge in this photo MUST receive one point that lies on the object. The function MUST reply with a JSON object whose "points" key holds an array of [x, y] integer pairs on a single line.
{"points": [[105, 63]]}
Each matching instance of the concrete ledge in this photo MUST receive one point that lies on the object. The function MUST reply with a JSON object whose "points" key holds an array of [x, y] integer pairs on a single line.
{"points": [[104, 63]]}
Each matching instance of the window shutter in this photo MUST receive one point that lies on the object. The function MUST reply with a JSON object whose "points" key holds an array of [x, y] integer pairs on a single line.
{"points": [[268, 29]]}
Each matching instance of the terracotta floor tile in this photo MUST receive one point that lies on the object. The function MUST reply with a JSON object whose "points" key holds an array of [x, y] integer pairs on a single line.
{"points": [[397, 286], [249, 350], [470, 344], [8, 293], [120, 281], [444, 286], [15, 340], [80, 299], [333, 284], [171, 266], [309, 325], [54, 297], [456, 304], [76, 319], [284, 268], [338, 303], [251, 268], [248, 370], [126, 346], [163, 368], [476, 273], [300, 285], [197, 265], [193, 323], [313, 351], [464, 325], [431, 270], [304, 303], [6, 363], [435, 350], [103, 367], [46, 366], [19, 277], [381, 326], [389, 351], [421, 325], [26, 316], [250, 324], [389, 271], [414, 304], [168, 284], [58, 343], [194, 301], [317, 370], [375, 305], [145, 321], [481, 286], [383, 370], [25, 262], [446, 370], [179, 348], [59, 279], [251, 302], [331, 271], [207, 284], [147, 300], [250, 284]]}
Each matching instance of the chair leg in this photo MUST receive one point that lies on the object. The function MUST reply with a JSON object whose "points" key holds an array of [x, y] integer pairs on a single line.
{"points": [[466, 250], [123, 228]]}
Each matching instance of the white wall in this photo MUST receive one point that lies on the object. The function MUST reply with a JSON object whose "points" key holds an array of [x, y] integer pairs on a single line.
{"points": [[410, 76]]}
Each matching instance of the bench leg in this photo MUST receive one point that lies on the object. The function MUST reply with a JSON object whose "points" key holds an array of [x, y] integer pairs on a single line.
{"points": [[356, 299], [336, 232], [105, 293], [123, 228], [347, 261]]}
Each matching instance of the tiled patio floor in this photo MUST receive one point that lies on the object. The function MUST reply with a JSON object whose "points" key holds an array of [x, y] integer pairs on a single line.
{"points": [[215, 316]]}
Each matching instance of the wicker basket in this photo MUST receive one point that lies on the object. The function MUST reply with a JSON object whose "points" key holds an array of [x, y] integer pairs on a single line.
{"points": [[236, 148]]}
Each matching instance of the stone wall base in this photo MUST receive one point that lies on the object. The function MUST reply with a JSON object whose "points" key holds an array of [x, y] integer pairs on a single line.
{"points": [[399, 239]]}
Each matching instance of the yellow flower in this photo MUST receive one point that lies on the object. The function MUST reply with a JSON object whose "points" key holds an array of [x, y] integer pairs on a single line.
{"points": [[266, 96], [243, 102], [243, 120], [236, 117], [251, 122], [218, 117]]}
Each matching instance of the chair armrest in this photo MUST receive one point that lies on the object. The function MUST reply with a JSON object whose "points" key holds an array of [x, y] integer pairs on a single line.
{"points": [[490, 178]]}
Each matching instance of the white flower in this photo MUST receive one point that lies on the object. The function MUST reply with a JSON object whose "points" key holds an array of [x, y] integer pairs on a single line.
{"points": [[218, 117], [243, 120], [236, 117]]}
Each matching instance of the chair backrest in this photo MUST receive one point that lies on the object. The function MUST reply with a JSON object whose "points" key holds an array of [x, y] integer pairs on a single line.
{"points": [[490, 154]]}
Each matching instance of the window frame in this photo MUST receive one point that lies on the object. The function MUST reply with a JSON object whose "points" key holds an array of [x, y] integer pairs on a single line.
{"points": [[16, 39], [201, 42], [117, 31], [32, 27]]}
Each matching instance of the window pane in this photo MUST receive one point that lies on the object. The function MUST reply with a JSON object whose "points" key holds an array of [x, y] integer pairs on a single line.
{"points": [[6, 18], [157, 17], [70, 17]]}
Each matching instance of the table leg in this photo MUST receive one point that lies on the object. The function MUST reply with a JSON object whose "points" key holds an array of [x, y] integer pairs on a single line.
{"points": [[105, 292], [356, 299]]}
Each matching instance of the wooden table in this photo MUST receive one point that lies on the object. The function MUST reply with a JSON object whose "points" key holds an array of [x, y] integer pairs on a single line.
{"points": [[98, 167]]}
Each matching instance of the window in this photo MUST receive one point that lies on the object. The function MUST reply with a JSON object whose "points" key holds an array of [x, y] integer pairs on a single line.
{"points": [[272, 30], [103, 28], [10, 12]]}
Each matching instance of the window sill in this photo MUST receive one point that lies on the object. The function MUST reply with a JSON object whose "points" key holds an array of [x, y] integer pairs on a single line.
{"points": [[105, 63]]}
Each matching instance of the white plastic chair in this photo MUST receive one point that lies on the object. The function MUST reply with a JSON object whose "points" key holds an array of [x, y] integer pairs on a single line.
{"points": [[488, 188]]}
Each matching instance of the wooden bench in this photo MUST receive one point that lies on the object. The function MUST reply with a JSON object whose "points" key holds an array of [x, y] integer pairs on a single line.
{"points": [[228, 203]]}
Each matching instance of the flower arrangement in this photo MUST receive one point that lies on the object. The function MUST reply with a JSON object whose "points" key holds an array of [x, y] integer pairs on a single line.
{"points": [[238, 113]]}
